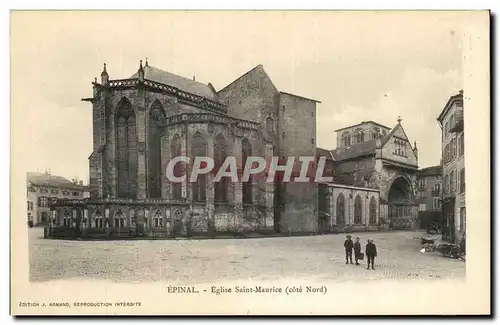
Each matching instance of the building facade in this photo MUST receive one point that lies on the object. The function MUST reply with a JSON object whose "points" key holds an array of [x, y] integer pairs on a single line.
{"points": [[345, 208], [429, 181], [141, 123], [372, 156], [42, 188], [451, 121]]}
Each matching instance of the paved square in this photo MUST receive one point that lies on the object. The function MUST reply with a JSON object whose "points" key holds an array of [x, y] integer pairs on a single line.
{"points": [[202, 261]]}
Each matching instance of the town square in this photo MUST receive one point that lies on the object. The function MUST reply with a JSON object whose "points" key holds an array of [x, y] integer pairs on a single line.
{"points": [[209, 261]]}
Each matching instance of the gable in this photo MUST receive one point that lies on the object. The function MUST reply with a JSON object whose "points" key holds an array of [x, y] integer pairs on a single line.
{"points": [[389, 146], [253, 96], [400, 133]]}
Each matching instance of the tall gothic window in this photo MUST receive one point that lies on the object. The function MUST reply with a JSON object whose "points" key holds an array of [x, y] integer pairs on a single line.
{"points": [[358, 210], [340, 209], [126, 149], [199, 149], [155, 131], [373, 211], [220, 153], [175, 151], [246, 151]]}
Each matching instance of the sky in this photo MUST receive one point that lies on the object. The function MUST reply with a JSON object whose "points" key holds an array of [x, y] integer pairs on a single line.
{"points": [[360, 65]]}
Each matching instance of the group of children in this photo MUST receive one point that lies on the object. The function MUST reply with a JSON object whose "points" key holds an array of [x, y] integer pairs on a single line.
{"points": [[370, 251]]}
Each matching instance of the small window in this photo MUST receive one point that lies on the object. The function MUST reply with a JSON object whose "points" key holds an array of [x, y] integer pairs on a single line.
{"points": [[312, 141], [55, 192], [76, 194], [283, 135]]}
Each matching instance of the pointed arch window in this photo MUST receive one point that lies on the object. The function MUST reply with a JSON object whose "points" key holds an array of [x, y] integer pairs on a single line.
{"points": [[360, 136], [98, 219], [346, 137], [158, 219], [340, 209], [155, 131], [399, 147], [220, 153], [373, 211], [358, 210], [131, 215], [126, 150], [175, 151], [270, 125], [246, 151], [199, 149], [119, 219]]}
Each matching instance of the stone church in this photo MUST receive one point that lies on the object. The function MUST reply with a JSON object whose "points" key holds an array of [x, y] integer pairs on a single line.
{"points": [[141, 122], [375, 178]]}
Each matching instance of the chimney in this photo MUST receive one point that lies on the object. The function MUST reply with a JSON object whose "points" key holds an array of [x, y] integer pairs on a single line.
{"points": [[104, 76]]}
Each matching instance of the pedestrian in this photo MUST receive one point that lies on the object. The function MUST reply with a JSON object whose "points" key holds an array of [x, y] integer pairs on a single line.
{"points": [[348, 245], [371, 253], [357, 251]]}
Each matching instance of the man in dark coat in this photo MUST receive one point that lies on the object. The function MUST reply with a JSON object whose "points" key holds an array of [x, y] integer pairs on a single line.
{"points": [[371, 253], [348, 245], [357, 250]]}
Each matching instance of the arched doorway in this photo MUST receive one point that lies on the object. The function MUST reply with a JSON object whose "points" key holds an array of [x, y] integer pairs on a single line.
{"points": [[400, 203]]}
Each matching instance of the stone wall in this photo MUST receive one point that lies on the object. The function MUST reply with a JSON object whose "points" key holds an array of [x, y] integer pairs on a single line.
{"points": [[349, 194], [298, 138]]}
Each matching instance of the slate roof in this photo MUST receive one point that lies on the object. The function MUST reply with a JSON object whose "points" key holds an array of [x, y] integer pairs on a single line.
{"points": [[355, 150], [320, 152], [430, 171], [42, 179], [184, 84]]}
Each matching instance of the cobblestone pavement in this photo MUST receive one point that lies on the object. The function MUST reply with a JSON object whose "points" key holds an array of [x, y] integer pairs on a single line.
{"points": [[198, 261]]}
